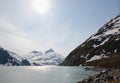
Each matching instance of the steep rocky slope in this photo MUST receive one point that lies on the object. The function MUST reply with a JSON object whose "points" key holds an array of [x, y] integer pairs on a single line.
{"points": [[9, 58], [102, 45]]}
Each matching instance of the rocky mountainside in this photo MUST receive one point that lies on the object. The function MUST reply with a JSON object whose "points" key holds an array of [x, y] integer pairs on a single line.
{"points": [[105, 44], [49, 57], [9, 58]]}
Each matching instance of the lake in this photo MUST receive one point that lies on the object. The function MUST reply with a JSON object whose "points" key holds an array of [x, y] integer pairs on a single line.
{"points": [[43, 74]]}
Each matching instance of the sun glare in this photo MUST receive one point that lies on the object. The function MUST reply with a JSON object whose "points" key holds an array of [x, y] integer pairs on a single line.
{"points": [[41, 68], [41, 6]]}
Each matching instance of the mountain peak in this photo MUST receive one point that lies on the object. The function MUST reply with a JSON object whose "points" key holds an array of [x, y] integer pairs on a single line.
{"points": [[49, 51], [10, 58], [34, 51], [48, 57]]}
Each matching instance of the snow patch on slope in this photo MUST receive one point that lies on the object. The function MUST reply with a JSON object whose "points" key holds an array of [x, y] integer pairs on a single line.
{"points": [[16, 56], [97, 57]]}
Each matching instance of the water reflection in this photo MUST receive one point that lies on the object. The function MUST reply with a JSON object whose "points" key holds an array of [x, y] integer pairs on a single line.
{"points": [[40, 68], [43, 74]]}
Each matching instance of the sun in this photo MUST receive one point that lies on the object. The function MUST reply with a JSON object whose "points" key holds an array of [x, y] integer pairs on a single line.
{"points": [[41, 6]]}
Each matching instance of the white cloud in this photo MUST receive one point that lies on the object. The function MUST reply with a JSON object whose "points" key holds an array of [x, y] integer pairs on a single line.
{"points": [[7, 27], [40, 33], [12, 38]]}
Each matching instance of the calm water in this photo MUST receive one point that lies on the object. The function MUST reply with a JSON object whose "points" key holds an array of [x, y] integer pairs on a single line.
{"points": [[43, 74]]}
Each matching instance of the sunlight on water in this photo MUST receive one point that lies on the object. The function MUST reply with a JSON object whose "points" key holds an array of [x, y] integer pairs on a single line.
{"points": [[43, 74], [67, 75], [39, 68]]}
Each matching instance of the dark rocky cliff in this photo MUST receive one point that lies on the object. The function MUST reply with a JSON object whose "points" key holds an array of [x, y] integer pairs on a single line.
{"points": [[7, 59]]}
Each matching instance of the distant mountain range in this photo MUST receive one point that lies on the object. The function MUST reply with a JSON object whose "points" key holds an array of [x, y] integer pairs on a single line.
{"points": [[50, 57], [34, 58], [101, 48]]}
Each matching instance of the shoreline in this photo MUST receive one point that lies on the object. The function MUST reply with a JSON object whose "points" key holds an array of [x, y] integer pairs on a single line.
{"points": [[105, 76]]}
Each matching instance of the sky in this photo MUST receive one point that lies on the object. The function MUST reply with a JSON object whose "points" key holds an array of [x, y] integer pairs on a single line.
{"points": [[62, 25]]}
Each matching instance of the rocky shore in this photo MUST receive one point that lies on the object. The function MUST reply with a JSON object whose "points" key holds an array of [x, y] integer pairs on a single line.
{"points": [[106, 76]]}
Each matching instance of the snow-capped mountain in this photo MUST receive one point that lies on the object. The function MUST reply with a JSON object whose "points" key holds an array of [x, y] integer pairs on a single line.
{"points": [[49, 57], [9, 58], [34, 58], [104, 44], [49, 51]]}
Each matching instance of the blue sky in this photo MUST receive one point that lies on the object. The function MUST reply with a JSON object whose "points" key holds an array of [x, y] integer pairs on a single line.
{"points": [[27, 25]]}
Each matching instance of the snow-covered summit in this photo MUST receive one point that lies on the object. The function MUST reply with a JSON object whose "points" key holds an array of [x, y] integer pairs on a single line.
{"points": [[110, 28], [34, 51], [49, 51], [49, 57], [34, 58]]}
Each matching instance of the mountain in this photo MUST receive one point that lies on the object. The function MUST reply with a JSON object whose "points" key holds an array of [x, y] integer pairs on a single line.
{"points": [[9, 58], [34, 58], [34, 51], [49, 57], [102, 48], [50, 50]]}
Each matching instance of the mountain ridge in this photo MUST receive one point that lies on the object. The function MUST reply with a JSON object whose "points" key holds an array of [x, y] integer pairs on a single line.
{"points": [[103, 44], [49, 57], [9, 58]]}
